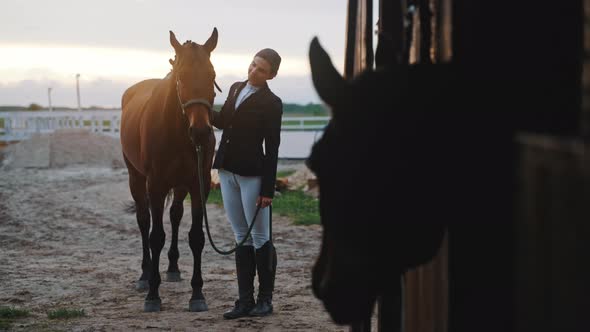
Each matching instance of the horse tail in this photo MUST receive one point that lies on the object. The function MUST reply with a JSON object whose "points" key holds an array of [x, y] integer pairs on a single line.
{"points": [[130, 207]]}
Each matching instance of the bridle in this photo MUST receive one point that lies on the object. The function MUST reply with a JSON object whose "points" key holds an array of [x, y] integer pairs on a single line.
{"points": [[200, 101]]}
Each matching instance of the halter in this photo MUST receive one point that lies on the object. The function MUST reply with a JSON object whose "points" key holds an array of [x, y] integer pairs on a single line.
{"points": [[200, 101]]}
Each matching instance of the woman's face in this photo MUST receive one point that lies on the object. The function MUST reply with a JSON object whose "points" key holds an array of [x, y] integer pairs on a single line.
{"points": [[259, 71]]}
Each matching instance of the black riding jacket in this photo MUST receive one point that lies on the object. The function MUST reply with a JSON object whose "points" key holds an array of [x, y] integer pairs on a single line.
{"points": [[257, 120]]}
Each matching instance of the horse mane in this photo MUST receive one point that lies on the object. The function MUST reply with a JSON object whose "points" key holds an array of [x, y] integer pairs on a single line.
{"points": [[191, 43]]}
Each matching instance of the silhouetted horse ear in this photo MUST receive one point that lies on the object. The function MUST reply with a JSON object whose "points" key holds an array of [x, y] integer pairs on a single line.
{"points": [[174, 42], [212, 41], [328, 82]]}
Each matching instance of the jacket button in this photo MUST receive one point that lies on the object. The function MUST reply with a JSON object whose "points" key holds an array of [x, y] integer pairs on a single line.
{"points": [[227, 140]]}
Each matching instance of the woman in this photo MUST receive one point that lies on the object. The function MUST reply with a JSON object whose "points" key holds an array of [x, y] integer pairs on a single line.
{"points": [[251, 117]]}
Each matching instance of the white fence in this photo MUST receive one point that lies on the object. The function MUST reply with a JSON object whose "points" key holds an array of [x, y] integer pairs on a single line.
{"points": [[314, 123], [16, 126], [21, 125]]}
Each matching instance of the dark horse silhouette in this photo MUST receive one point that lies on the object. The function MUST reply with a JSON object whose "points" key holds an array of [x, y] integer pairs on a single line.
{"points": [[413, 149], [376, 171], [162, 122]]}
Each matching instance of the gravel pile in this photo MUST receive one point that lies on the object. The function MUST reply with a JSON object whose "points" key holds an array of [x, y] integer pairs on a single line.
{"points": [[66, 147]]}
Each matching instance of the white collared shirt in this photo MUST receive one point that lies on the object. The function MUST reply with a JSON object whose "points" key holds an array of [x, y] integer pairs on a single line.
{"points": [[246, 92]]}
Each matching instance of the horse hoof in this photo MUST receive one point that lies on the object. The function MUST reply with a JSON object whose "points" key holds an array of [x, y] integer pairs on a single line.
{"points": [[152, 305], [173, 276], [142, 285], [197, 305]]}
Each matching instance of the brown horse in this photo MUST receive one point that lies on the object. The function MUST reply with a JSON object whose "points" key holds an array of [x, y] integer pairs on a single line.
{"points": [[163, 121]]}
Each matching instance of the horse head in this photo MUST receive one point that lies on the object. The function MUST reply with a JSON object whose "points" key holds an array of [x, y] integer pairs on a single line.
{"points": [[195, 80], [376, 172]]}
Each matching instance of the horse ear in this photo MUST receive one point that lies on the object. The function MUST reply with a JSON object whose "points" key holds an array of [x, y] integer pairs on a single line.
{"points": [[328, 82], [212, 41], [174, 42]]}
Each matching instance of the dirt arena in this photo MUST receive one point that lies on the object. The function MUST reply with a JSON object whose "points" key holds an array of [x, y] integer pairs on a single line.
{"points": [[66, 243]]}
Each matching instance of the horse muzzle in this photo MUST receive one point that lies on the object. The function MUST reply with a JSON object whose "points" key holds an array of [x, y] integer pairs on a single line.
{"points": [[348, 301], [200, 136], [348, 291]]}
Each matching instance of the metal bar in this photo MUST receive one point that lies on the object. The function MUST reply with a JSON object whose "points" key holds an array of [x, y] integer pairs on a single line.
{"points": [[425, 31], [368, 31], [350, 38], [390, 33]]}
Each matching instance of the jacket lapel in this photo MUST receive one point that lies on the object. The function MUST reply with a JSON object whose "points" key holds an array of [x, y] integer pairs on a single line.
{"points": [[253, 97], [235, 95]]}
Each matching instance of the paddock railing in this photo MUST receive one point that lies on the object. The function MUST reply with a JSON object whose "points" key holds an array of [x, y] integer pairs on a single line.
{"points": [[16, 126]]}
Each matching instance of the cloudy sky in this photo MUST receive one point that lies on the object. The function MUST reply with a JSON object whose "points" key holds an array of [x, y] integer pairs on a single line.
{"points": [[114, 43]]}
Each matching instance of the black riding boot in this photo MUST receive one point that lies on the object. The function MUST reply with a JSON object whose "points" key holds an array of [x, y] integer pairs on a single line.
{"points": [[266, 265], [246, 270]]}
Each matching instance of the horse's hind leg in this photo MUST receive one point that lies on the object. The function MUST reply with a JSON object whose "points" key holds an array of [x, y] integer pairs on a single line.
{"points": [[176, 211], [137, 186]]}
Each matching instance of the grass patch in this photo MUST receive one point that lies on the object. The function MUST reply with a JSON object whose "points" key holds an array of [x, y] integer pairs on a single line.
{"points": [[215, 197], [290, 123], [66, 313], [302, 208], [315, 122], [285, 173], [9, 314], [104, 123], [305, 123]]}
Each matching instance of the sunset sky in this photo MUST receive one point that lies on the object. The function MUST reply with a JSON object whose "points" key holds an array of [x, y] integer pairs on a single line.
{"points": [[115, 43]]}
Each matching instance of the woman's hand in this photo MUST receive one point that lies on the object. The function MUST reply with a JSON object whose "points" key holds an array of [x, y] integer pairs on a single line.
{"points": [[263, 201]]}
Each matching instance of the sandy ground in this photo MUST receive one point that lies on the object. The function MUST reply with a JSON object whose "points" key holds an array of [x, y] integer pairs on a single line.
{"points": [[66, 243]]}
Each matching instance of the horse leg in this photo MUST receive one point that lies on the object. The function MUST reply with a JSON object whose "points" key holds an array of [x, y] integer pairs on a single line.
{"points": [[157, 240], [176, 211], [197, 242], [137, 185]]}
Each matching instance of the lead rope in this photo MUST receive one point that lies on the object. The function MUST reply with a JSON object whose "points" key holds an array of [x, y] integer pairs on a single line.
{"points": [[202, 191]]}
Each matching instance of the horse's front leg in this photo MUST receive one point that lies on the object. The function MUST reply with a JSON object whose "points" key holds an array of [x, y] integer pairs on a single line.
{"points": [[197, 242], [143, 220], [137, 185], [157, 240], [176, 211]]}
